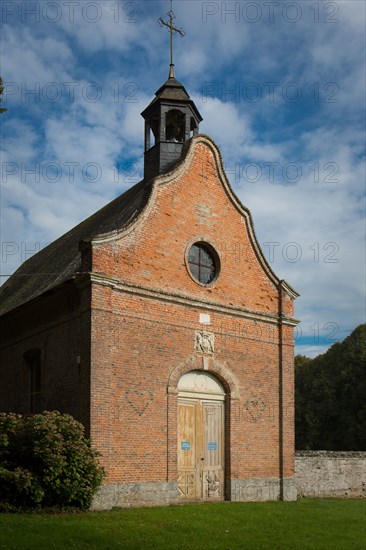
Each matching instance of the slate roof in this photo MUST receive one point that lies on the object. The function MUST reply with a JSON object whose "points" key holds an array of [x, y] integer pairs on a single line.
{"points": [[61, 260], [172, 90]]}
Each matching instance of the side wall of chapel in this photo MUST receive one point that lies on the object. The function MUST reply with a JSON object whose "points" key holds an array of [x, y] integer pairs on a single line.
{"points": [[58, 327]]}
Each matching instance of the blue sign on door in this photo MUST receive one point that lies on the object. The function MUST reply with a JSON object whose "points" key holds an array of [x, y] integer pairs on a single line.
{"points": [[185, 445], [212, 446]]}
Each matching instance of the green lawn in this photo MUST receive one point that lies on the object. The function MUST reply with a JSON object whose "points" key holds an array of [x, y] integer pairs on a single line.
{"points": [[305, 524]]}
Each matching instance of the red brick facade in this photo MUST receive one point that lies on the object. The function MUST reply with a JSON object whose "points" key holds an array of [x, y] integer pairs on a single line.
{"points": [[116, 339]]}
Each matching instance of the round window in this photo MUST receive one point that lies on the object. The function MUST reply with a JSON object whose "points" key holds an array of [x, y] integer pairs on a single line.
{"points": [[203, 263]]}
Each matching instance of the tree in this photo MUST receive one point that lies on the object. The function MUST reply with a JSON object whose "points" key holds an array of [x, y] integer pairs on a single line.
{"points": [[2, 109], [46, 461], [330, 407]]}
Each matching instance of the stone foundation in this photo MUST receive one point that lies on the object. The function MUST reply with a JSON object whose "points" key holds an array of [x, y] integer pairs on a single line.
{"points": [[265, 489], [129, 495]]}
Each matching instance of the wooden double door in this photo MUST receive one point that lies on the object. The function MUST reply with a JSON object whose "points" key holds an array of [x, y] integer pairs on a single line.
{"points": [[201, 452]]}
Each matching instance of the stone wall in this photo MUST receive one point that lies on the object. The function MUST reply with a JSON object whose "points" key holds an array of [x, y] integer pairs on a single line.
{"points": [[330, 474], [318, 474]]}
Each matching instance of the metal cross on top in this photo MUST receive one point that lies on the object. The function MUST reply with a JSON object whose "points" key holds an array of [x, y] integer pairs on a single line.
{"points": [[172, 29]]}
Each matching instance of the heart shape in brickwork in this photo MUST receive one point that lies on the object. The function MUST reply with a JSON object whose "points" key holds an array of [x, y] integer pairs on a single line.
{"points": [[139, 399], [255, 407]]}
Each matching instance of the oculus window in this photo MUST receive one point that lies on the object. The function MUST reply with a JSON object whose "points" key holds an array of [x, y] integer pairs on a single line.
{"points": [[203, 263]]}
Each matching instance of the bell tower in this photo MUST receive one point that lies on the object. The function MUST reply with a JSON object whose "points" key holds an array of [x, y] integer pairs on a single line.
{"points": [[171, 119]]}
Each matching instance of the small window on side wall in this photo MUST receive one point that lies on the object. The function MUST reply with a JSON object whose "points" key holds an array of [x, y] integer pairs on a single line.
{"points": [[33, 360]]}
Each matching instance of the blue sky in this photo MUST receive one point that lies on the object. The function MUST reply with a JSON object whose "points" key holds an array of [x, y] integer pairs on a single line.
{"points": [[281, 88]]}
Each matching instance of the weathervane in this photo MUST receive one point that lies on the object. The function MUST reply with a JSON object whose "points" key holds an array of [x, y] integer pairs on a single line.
{"points": [[172, 29]]}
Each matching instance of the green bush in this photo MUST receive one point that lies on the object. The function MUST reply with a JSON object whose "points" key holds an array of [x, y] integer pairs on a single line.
{"points": [[46, 461], [19, 489]]}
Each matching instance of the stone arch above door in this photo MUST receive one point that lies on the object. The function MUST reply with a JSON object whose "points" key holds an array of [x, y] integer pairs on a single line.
{"points": [[201, 384], [224, 375]]}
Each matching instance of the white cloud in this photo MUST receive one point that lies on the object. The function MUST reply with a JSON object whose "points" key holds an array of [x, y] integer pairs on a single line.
{"points": [[224, 122], [103, 25], [43, 60]]}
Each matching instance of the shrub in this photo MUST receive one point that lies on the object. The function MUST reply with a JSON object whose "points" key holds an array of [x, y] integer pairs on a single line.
{"points": [[9, 426], [45, 460], [19, 489]]}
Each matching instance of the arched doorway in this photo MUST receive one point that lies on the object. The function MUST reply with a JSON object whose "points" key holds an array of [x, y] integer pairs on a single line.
{"points": [[201, 437]]}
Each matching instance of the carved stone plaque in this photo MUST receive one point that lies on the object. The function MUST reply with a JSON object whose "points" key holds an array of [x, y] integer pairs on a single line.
{"points": [[204, 342]]}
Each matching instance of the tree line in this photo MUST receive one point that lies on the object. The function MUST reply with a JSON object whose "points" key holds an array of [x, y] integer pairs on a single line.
{"points": [[330, 397]]}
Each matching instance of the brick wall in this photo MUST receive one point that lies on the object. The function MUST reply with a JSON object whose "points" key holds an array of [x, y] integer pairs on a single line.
{"points": [[137, 344]]}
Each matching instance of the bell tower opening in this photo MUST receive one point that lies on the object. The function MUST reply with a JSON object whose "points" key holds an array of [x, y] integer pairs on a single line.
{"points": [[152, 130], [194, 128], [175, 126]]}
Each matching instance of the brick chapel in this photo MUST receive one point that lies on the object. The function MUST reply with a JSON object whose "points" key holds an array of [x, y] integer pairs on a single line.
{"points": [[158, 323]]}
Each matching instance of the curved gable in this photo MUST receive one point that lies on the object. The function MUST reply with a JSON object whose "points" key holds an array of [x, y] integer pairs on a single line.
{"points": [[189, 155]]}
